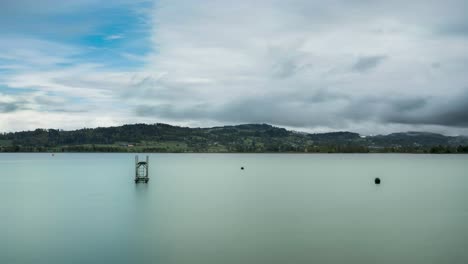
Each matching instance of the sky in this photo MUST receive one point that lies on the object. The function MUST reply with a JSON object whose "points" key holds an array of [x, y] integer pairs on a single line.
{"points": [[367, 66]]}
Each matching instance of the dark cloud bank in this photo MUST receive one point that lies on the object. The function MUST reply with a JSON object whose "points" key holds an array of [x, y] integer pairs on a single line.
{"points": [[329, 110]]}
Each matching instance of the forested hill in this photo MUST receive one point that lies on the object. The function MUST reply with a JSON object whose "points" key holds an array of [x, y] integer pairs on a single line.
{"points": [[240, 138]]}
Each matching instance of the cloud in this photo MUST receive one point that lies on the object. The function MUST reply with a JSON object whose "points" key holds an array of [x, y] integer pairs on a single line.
{"points": [[367, 63], [454, 30], [37, 101], [8, 107], [444, 111], [114, 37]]}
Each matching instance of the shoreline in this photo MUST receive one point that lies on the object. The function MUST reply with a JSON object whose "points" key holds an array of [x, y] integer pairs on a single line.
{"points": [[249, 153]]}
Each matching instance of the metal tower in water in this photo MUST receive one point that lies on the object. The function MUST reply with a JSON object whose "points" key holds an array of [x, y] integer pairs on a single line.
{"points": [[141, 170]]}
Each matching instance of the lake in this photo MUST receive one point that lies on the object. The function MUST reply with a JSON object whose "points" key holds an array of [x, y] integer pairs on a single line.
{"points": [[202, 208]]}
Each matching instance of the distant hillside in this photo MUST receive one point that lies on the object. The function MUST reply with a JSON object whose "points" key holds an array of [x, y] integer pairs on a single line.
{"points": [[241, 138]]}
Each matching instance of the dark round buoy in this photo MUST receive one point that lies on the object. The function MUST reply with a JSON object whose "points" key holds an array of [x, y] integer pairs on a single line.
{"points": [[377, 181], [242, 168]]}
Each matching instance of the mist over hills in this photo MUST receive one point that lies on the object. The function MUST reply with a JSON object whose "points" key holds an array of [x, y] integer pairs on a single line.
{"points": [[255, 138]]}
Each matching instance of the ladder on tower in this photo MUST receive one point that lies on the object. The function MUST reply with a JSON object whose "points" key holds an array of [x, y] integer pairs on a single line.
{"points": [[141, 170]]}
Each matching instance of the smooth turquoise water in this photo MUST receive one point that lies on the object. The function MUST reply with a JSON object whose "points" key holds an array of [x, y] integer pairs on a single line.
{"points": [[201, 208]]}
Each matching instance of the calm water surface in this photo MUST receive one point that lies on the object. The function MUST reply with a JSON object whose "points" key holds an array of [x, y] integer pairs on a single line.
{"points": [[202, 208]]}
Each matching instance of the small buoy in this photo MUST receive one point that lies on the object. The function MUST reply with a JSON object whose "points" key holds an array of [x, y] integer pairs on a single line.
{"points": [[377, 180], [242, 168], [53, 154]]}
